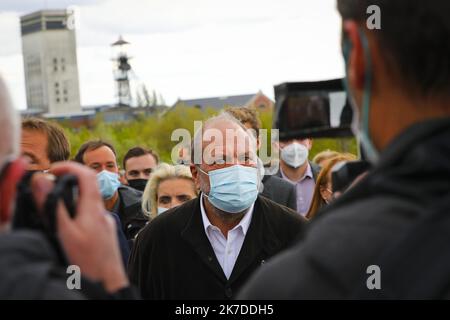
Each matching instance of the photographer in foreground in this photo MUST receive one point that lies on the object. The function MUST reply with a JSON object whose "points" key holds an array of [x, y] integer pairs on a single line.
{"points": [[29, 267], [388, 236]]}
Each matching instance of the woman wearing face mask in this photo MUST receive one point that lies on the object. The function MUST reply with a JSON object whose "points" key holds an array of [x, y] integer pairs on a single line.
{"points": [[168, 187], [323, 192]]}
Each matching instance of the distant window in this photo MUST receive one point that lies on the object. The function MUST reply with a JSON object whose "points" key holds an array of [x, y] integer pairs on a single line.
{"points": [[56, 84], [65, 91], [65, 99], [34, 27], [54, 25], [57, 100], [262, 106]]}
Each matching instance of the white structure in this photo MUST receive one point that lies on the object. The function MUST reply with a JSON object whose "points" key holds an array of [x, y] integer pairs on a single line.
{"points": [[50, 62]]}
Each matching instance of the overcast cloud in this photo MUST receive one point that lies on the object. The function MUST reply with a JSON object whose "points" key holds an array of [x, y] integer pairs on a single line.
{"points": [[189, 49]]}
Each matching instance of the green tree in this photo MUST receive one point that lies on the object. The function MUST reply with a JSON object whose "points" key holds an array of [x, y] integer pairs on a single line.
{"points": [[155, 132]]}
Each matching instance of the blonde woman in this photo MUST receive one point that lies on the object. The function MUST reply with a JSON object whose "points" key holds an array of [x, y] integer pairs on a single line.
{"points": [[168, 187], [324, 156]]}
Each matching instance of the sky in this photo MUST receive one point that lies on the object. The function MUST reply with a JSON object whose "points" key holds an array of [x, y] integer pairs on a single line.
{"points": [[188, 49]]}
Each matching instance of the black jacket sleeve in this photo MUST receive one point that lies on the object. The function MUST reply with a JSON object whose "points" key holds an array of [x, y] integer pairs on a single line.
{"points": [[292, 199], [144, 266]]}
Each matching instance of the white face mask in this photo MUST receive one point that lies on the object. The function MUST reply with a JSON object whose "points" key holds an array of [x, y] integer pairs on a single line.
{"points": [[294, 154]]}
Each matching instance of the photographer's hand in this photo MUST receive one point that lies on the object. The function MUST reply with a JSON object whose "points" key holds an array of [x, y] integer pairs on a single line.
{"points": [[89, 240]]}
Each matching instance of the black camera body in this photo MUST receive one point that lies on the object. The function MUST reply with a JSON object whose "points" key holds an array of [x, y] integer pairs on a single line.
{"points": [[28, 217], [315, 109], [343, 175]]}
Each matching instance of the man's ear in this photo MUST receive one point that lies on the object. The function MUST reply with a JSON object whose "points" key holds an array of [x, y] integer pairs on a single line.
{"points": [[276, 146], [194, 173], [323, 192], [355, 56], [8, 186], [310, 143]]}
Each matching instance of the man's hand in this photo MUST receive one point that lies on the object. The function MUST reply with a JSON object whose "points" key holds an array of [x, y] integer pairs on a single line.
{"points": [[90, 239]]}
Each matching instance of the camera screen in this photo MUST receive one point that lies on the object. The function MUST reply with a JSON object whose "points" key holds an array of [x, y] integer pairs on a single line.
{"points": [[312, 109]]}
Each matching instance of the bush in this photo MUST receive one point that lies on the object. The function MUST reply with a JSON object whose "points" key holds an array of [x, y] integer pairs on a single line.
{"points": [[155, 132]]}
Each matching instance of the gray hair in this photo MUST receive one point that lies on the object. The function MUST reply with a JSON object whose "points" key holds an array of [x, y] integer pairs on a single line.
{"points": [[222, 117], [9, 125], [226, 117]]}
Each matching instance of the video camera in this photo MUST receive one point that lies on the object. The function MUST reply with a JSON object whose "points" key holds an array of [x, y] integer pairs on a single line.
{"points": [[317, 109], [27, 216], [312, 110]]}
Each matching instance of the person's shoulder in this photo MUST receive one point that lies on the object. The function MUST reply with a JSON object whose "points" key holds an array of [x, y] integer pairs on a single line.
{"points": [[315, 168], [129, 195], [336, 249], [279, 183], [371, 211], [357, 231], [277, 212], [24, 241], [27, 264]]}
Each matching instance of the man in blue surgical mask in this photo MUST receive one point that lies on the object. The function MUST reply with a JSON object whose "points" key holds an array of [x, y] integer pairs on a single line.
{"points": [[208, 247], [120, 199]]}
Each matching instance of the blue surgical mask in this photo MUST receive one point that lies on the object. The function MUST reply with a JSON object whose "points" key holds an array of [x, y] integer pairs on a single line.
{"points": [[108, 183], [233, 189], [161, 210], [361, 127]]}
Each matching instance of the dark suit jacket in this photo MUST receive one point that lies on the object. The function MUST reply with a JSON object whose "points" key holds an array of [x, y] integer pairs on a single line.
{"points": [[129, 211], [280, 191], [173, 259], [314, 168]]}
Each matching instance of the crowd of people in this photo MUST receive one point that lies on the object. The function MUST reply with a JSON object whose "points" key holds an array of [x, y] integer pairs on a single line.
{"points": [[223, 228], [220, 214]]}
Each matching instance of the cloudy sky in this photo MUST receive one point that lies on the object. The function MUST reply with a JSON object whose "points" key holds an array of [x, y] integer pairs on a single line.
{"points": [[188, 49]]}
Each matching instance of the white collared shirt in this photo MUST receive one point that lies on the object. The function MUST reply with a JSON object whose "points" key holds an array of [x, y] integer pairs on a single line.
{"points": [[226, 249]]}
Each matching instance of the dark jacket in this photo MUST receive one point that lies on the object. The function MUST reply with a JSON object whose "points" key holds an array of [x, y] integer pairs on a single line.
{"points": [[173, 258], [280, 191], [30, 270], [409, 182], [129, 211], [123, 243]]}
